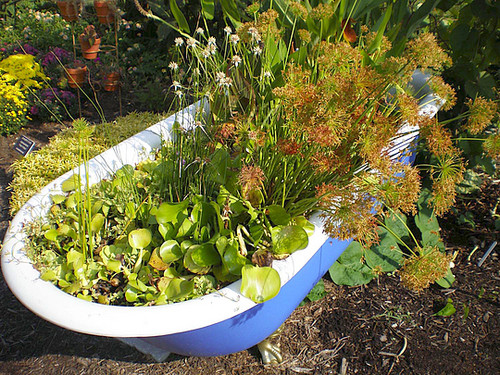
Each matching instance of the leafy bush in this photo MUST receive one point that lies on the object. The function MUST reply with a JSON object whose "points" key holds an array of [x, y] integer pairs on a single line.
{"points": [[40, 167], [13, 108]]}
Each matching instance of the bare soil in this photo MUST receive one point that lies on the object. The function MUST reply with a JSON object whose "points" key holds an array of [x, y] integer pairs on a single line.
{"points": [[380, 328]]}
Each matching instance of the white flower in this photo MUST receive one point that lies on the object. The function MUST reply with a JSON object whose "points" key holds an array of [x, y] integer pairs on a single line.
{"points": [[191, 43], [255, 34], [173, 65], [212, 41], [267, 74], [205, 53], [199, 30], [212, 48], [178, 41], [196, 71], [223, 80], [220, 76], [138, 25], [179, 93], [235, 38], [176, 85], [228, 30], [236, 60], [257, 50]]}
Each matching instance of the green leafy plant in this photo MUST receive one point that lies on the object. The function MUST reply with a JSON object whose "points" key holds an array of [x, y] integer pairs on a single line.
{"points": [[286, 135]]}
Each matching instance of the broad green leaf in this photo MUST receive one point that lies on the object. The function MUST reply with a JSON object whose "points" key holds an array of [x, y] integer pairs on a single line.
{"points": [[166, 230], [97, 223], [302, 222], [71, 183], [170, 251], [386, 256], [447, 281], [191, 265], [48, 275], [57, 198], [221, 245], [278, 215], [130, 294], [231, 10], [75, 257], [317, 292], [448, 309], [221, 272], [232, 258], [397, 224], [208, 9], [163, 283], [51, 235], [139, 238], [205, 255], [349, 269], [287, 240], [427, 222], [156, 262], [167, 212], [179, 288], [186, 229], [84, 297], [179, 17], [260, 284]]}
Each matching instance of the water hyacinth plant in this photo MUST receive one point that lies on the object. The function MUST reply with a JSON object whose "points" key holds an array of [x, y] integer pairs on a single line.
{"points": [[287, 134]]}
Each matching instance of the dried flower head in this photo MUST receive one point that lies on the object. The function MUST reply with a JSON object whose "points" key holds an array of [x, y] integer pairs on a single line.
{"points": [[445, 175], [347, 213], [251, 180], [304, 35], [298, 9], [482, 111], [322, 11], [443, 91], [420, 271], [424, 52], [492, 146]]}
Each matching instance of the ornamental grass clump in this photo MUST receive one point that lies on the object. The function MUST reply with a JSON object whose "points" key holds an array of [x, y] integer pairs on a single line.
{"points": [[287, 134]]}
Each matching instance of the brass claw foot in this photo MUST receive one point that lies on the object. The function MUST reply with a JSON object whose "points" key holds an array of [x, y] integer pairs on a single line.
{"points": [[271, 352]]}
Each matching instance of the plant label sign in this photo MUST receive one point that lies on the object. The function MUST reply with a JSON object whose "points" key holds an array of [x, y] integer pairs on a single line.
{"points": [[24, 145]]}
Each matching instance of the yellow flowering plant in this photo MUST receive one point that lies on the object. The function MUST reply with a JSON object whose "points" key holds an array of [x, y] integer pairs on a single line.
{"points": [[19, 75]]}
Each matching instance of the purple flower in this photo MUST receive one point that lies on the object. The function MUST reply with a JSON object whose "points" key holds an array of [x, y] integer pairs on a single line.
{"points": [[27, 49], [34, 110], [55, 55]]}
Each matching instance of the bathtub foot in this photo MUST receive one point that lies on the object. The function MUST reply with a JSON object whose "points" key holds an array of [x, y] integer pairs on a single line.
{"points": [[159, 355], [270, 349]]}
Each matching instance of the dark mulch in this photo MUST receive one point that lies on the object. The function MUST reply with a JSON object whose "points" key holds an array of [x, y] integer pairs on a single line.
{"points": [[380, 328]]}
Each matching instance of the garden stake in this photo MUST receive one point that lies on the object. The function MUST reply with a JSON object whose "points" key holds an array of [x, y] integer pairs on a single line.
{"points": [[488, 252]]}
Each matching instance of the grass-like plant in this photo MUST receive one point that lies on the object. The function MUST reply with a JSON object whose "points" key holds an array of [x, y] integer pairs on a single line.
{"points": [[60, 155]]}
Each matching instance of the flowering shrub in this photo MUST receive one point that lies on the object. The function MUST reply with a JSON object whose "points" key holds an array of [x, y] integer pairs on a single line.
{"points": [[13, 108], [19, 75], [22, 71]]}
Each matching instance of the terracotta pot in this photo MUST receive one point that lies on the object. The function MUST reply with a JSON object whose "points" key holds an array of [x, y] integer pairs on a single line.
{"points": [[89, 51], [105, 14], [68, 10], [76, 76], [111, 81]]}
